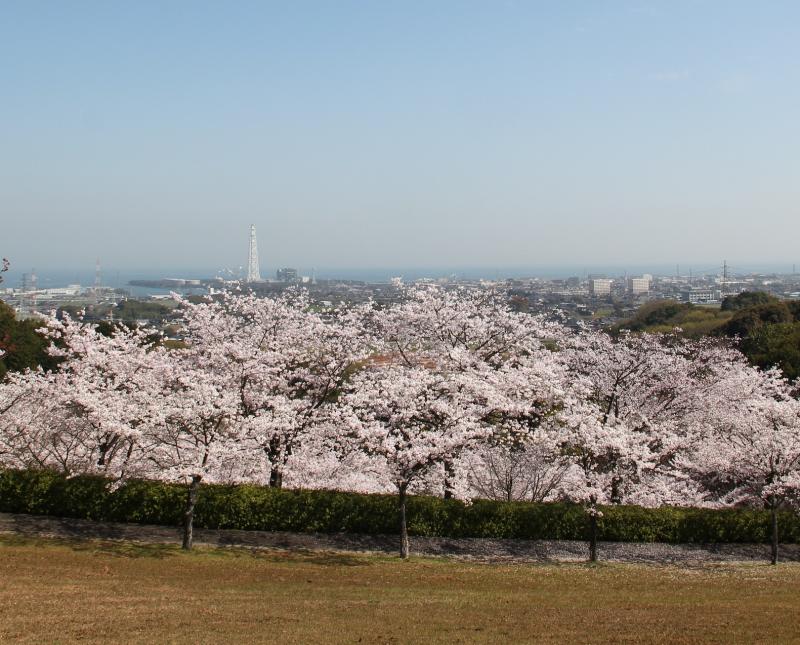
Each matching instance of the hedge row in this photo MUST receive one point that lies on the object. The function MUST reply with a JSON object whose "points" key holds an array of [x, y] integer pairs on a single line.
{"points": [[259, 508]]}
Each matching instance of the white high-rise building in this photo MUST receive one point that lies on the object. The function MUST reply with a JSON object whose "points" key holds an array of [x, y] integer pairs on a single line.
{"points": [[639, 286], [600, 286]]}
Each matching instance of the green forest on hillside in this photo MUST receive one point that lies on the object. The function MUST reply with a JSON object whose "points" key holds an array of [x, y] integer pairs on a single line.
{"points": [[767, 329]]}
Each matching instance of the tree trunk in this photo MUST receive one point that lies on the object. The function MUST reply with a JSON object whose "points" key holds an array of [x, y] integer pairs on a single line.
{"points": [[188, 514], [593, 534], [404, 545], [774, 514], [101, 458], [104, 449], [449, 476], [616, 489], [276, 463]]}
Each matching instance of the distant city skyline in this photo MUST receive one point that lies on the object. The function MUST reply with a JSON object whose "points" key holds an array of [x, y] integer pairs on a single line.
{"points": [[358, 135], [119, 277]]}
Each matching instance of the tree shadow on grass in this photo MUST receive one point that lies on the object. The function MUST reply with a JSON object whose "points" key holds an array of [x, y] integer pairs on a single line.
{"points": [[134, 549], [120, 548], [333, 559], [126, 549], [295, 555]]}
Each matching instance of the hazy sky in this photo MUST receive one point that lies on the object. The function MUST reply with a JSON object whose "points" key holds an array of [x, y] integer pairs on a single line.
{"points": [[399, 133]]}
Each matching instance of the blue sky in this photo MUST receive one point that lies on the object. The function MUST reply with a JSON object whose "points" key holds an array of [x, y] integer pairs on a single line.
{"points": [[399, 133]]}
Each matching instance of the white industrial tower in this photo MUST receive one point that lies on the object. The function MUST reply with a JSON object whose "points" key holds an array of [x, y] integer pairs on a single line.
{"points": [[97, 280], [253, 270]]}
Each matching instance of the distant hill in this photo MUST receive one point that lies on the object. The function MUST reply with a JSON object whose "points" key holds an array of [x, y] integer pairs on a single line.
{"points": [[666, 315], [768, 328]]}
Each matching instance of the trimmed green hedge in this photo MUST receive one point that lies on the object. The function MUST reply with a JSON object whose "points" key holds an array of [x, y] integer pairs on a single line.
{"points": [[306, 511]]}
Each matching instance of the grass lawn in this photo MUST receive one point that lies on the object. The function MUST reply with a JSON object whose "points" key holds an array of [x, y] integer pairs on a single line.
{"points": [[56, 591]]}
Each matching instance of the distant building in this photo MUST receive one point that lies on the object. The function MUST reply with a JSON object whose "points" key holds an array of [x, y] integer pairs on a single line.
{"points": [[638, 286], [286, 275], [697, 295], [600, 286]]}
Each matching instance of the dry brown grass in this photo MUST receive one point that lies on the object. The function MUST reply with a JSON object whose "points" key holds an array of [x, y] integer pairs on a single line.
{"points": [[91, 592]]}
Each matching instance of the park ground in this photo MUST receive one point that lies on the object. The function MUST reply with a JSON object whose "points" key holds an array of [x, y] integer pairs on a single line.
{"points": [[93, 591]]}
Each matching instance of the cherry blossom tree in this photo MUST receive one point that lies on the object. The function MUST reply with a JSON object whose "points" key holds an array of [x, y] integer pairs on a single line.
{"points": [[25, 416], [749, 451], [597, 453], [643, 397], [657, 385], [412, 418], [85, 417], [195, 436], [473, 331], [286, 362], [103, 394], [530, 392]]}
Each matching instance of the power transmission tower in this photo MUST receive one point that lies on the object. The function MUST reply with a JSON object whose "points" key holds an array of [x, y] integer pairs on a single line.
{"points": [[253, 270], [97, 281], [726, 280], [724, 277]]}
